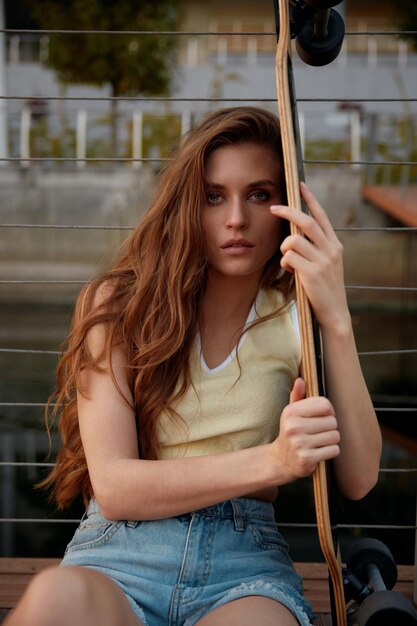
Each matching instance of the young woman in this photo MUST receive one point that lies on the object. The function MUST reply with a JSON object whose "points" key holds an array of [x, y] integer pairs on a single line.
{"points": [[181, 407]]}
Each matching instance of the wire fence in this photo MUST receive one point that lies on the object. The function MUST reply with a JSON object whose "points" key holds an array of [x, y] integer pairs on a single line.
{"points": [[26, 158]]}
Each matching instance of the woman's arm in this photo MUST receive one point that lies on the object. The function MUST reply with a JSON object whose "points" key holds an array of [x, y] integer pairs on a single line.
{"points": [[319, 263], [356, 468]]}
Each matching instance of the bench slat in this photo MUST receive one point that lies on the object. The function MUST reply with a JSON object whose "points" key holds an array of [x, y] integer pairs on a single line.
{"points": [[15, 574]]}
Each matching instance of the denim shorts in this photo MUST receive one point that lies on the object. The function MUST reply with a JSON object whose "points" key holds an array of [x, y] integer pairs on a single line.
{"points": [[174, 571]]}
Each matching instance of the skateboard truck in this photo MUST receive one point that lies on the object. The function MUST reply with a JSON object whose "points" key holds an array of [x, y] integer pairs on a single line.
{"points": [[369, 576], [318, 30]]}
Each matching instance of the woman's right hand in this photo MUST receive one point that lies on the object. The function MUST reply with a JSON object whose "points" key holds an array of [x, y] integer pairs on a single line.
{"points": [[308, 433]]}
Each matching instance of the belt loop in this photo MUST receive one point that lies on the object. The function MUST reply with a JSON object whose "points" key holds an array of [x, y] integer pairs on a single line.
{"points": [[92, 507], [237, 516], [132, 523]]}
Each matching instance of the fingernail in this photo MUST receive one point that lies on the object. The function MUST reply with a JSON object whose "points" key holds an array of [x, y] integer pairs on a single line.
{"points": [[277, 208], [303, 184]]}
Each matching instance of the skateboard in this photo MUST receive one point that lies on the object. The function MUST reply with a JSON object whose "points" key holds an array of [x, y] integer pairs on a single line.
{"points": [[287, 26], [361, 591]]}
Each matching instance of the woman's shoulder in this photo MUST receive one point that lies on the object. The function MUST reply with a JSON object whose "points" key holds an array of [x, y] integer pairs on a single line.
{"points": [[96, 297], [95, 307]]}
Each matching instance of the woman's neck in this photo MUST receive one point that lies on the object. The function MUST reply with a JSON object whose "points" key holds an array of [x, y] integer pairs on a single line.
{"points": [[228, 297], [225, 308]]}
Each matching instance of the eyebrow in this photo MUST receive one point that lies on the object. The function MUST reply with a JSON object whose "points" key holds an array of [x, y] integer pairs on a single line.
{"points": [[266, 182]]}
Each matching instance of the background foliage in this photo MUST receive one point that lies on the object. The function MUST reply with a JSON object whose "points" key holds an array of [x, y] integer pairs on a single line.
{"points": [[129, 64]]}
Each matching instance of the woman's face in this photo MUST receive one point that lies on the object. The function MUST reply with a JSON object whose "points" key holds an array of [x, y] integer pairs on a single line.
{"points": [[242, 182]]}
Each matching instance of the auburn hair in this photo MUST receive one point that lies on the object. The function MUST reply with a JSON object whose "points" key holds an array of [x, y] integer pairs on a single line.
{"points": [[153, 300]]}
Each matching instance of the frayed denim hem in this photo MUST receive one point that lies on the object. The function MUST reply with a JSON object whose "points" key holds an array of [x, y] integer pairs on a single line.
{"points": [[281, 592]]}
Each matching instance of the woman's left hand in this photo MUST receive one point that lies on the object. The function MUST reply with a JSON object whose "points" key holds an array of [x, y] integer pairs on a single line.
{"points": [[317, 257]]}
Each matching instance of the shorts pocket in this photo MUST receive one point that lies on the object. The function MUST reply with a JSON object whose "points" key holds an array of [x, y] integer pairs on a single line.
{"points": [[267, 537], [92, 532]]}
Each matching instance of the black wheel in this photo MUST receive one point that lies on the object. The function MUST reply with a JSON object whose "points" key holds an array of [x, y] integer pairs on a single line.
{"points": [[323, 4], [386, 608], [365, 552], [321, 52]]}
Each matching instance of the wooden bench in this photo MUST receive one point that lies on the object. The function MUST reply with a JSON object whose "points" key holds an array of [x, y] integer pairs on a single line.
{"points": [[401, 204], [15, 574]]}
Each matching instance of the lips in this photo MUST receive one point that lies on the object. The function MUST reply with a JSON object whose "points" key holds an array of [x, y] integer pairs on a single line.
{"points": [[237, 243]]}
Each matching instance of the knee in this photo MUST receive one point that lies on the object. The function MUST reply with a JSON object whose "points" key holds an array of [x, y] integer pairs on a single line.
{"points": [[61, 586], [52, 595]]}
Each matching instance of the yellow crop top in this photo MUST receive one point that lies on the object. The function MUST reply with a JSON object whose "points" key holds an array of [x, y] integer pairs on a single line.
{"points": [[227, 408]]}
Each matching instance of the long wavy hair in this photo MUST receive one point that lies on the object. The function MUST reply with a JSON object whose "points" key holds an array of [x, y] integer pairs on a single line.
{"points": [[153, 300]]}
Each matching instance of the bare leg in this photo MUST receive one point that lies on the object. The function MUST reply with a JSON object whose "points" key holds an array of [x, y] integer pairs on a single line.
{"points": [[72, 595], [248, 611]]}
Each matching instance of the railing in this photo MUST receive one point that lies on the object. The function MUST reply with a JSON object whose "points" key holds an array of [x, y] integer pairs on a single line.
{"points": [[225, 43], [380, 136], [22, 453]]}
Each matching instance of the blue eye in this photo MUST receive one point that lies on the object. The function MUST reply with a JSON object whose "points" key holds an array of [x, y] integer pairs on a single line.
{"points": [[260, 196], [213, 198]]}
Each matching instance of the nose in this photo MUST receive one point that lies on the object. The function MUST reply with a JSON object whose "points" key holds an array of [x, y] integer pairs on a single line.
{"points": [[237, 217]]}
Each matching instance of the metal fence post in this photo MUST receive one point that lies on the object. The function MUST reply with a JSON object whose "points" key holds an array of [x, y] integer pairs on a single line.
{"points": [[252, 52], [81, 141], [186, 122], [25, 124], [372, 54], [355, 138], [371, 148], [137, 137], [222, 50]]}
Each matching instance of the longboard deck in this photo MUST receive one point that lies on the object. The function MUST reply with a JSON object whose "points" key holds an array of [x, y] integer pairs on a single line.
{"points": [[294, 173]]}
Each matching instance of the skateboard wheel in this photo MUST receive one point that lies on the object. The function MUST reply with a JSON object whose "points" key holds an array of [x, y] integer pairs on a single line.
{"points": [[386, 608], [321, 52], [368, 551], [323, 4]]}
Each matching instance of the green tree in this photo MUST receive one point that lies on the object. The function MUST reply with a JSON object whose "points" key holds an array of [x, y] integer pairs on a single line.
{"points": [[131, 64]]}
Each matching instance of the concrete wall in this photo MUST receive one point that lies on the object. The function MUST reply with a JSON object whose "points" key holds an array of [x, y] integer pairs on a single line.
{"points": [[98, 198], [119, 197]]}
